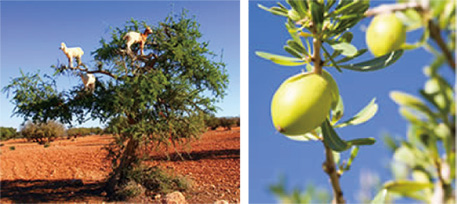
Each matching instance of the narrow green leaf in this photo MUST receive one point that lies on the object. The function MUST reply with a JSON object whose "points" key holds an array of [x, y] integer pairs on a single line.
{"points": [[274, 10], [345, 59], [317, 13], [354, 152], [361, 141], [376, 63], [348, 49], [331, 138], [337, 110], [281, 60], [304, 138], [419, 43], [331, 59], [364, 115], [410, 101], [298, 46], [294, 33], [380, 197], [406, 187], [292, 51]]}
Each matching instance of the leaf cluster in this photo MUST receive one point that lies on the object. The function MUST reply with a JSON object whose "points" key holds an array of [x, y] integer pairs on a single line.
{"points": [[328, 22]]}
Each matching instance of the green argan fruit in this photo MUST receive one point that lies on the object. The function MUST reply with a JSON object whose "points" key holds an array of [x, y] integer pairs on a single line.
{"points": [[385, 34], [303, 102]]}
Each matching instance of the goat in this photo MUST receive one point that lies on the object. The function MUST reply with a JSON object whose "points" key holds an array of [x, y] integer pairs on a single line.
{"points": [[88, 81], [72, 52], [135, 37]]}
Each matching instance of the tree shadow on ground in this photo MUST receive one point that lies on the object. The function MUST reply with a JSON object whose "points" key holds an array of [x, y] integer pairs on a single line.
{"points": [[198, 155], [34, 191]]}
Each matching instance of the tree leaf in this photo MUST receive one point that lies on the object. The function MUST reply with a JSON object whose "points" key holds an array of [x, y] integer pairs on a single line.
{"points": [[380, 197], [331, 59], [361, 141], [281, 60], [298, 46], [292, 51], [331, 138], [304, 138], [317, 13], [274, 10], [376, 63], [406, 187], [354, 152], [337, 110], [347, 48], [345, 59], [364, 115], [404, 99]]}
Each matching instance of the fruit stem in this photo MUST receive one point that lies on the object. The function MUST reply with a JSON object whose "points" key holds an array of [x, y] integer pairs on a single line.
{"points": [[330, 168], [317, 57]]}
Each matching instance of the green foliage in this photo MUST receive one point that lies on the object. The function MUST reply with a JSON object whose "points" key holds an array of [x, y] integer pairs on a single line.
{"points": [[12, 148], [226, 122], [152, 179], [7, 133], [423, 163], [84, 131], [157, 97], [329, 22], [42, 132]]}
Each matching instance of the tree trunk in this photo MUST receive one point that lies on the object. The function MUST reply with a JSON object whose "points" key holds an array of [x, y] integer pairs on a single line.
{"points": [[127, 159]]}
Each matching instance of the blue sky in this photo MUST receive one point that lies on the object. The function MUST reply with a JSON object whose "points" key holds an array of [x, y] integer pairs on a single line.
{"points": [[272, 155], [31, 33]]}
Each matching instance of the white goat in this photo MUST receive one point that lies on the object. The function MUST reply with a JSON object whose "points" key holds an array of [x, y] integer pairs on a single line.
{"points": [[72, 52], [88, 81], [135, 37]]}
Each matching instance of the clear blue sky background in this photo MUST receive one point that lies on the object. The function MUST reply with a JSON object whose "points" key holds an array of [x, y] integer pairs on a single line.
{"points": [[31, 33], [272, 155]]}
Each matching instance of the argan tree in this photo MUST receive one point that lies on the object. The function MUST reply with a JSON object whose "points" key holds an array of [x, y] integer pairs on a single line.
{"points": [[163, 95], [307, 106]]}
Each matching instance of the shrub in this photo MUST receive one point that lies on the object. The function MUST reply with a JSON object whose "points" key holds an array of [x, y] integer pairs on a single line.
{"points": [[42, 132], [7, 133], [152, 179], [12, 148], [212, 122], [227, 123], [84, 131]]}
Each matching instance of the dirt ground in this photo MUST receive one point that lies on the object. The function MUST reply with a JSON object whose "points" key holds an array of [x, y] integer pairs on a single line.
{"points": [[75, 170]]}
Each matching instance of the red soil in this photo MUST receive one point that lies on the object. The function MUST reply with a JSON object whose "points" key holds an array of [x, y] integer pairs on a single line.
{"points": [[75, 171]]}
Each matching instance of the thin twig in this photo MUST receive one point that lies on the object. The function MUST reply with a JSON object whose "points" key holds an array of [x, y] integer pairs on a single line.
{"points": [[389, 8], [435, 34], [90, 72], [330, 168]]}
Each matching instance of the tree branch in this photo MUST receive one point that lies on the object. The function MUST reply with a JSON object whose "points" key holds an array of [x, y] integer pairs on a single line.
{"points": [[435, 34], [90, 72], [389, 8], [330, 168]]}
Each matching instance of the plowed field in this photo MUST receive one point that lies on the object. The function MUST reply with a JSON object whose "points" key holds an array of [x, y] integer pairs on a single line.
{"points": [[75, 170]]}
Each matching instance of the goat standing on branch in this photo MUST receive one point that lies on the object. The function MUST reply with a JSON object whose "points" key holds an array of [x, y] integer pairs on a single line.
{"points": [[72, 52], [88, 81], [135, 37]]}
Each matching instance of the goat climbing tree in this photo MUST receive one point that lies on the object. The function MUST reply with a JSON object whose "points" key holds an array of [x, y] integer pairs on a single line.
{"points": [[163, 95]]}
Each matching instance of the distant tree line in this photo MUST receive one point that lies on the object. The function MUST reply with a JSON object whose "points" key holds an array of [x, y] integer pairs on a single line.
{"points": [[48, 132], [213, 122], [7, 133]]}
